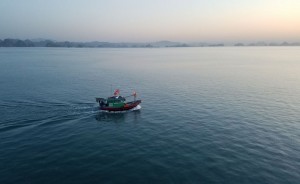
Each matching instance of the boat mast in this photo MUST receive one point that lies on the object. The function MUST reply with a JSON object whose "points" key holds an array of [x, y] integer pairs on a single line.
{"points": [[110, 89], [134, 95]]}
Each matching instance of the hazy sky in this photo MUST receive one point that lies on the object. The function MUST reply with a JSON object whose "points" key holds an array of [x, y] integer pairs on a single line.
{"points": [[151, 20]]}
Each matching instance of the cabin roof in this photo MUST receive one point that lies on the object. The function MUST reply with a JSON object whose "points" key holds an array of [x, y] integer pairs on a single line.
{"points": [[116, 99]]}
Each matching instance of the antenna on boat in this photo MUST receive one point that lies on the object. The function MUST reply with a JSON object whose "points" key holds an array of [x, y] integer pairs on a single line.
{"points": [[110, 89], [134, 95]]}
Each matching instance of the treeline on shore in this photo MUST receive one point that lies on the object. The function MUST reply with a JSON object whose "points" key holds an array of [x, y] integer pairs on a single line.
{"points": [[95, 44], [43, 43]]}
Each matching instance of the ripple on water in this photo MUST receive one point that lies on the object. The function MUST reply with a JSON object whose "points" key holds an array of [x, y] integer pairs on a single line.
{"points": [[210, 115]]}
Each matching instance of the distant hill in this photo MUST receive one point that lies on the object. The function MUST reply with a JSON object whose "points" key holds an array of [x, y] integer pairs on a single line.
{"points": [[262, 44], [39, 42]]}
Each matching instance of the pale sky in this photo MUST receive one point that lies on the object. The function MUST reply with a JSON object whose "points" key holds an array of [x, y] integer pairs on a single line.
{"points": [[151, 20]]}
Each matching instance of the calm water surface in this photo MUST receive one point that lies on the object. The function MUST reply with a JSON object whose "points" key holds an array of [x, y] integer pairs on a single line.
{"points": [[209, 115]]}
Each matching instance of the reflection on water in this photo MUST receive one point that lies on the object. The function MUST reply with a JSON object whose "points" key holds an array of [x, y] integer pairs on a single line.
{"points": [[117, 117], [110, 117]]}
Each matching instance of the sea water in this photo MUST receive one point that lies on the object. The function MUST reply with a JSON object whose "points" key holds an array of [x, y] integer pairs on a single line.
{"points": [[209, 115]]}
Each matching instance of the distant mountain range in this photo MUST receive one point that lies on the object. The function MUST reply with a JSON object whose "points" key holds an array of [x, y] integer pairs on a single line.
{"points": [[8, 42]]}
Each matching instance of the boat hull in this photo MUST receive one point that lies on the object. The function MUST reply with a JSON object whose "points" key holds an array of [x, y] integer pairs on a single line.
{"points": [[126, 107]]}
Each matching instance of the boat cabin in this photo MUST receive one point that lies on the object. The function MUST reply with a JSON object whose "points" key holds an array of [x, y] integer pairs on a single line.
{"points": [[114, 101]]}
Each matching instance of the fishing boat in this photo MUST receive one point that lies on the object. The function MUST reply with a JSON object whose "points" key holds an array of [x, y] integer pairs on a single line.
{"points": [[117, 103]]}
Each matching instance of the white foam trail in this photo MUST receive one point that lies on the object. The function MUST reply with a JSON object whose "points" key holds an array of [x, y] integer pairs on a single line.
{"points": [[138, 107]]}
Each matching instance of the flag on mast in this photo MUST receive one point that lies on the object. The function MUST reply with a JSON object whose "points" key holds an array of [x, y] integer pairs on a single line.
{"points": [[117, 92]]}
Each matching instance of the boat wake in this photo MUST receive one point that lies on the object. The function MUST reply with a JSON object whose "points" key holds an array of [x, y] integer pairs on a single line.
{"points": [[138, 107]]}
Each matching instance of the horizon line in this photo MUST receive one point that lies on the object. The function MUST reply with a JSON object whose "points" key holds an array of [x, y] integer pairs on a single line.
{"points": [[157, 41]]}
